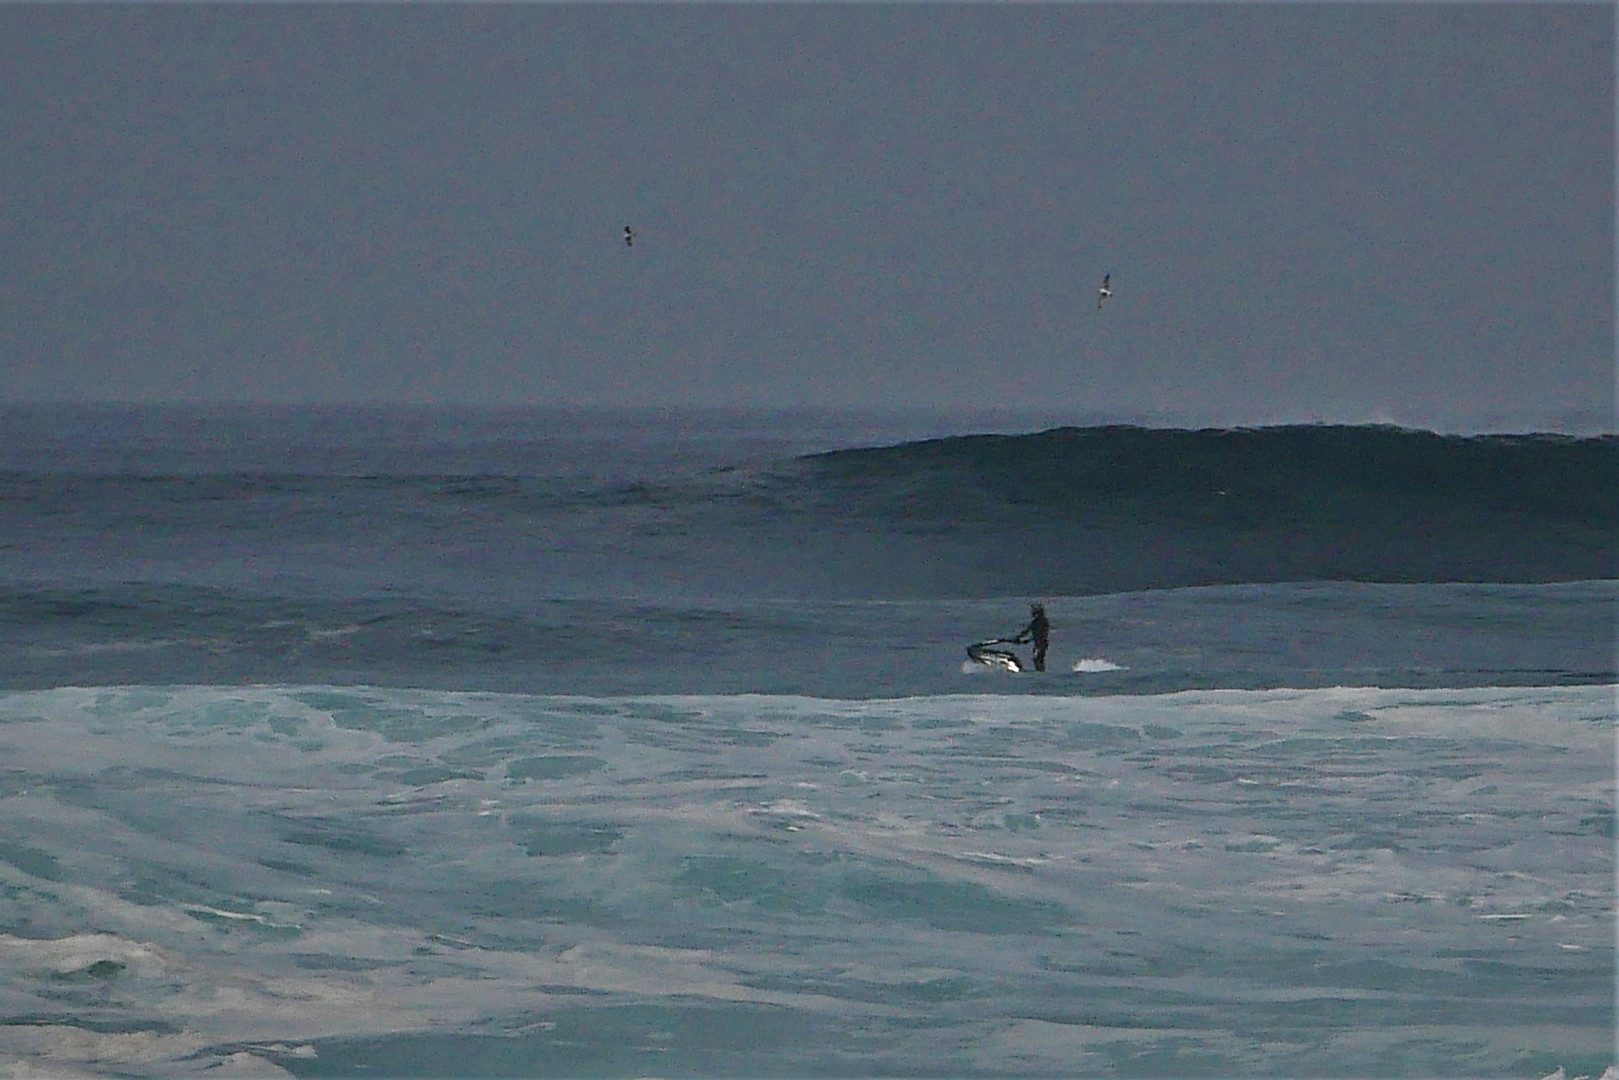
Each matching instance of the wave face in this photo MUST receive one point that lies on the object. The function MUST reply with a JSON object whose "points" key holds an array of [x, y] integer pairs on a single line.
{"points": [[1118, 508], [1069, 511]]}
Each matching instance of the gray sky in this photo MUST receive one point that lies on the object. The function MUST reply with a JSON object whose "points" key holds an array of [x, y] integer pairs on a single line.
{"points": [[1345, 213]]}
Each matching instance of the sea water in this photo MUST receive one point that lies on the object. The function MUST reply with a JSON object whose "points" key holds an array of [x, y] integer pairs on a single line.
{"points": [[338, 743]]}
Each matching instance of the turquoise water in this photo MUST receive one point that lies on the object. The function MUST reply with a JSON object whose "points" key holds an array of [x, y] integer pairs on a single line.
{"points": [[365, 881]]}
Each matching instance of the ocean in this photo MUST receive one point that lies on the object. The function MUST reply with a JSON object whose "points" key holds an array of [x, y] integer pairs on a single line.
{"points": [[409, 742]]}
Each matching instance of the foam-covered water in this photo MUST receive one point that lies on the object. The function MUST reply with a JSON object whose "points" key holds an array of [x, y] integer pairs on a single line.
{"points": [[447, 746], [1321, 882]]}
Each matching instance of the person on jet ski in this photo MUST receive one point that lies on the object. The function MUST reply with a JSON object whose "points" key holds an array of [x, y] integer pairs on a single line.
{"points": [[1039, 632]]}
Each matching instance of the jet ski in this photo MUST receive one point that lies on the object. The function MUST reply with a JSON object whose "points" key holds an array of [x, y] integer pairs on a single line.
{"points": [[986, 653]]}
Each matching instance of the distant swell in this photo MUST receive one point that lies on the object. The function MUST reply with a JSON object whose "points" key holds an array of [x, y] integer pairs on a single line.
{"points": [[1071, 511], [1078, 510]]}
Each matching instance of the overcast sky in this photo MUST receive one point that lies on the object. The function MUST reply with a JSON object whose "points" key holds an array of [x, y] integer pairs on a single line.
{"points": [[1343, 213]]}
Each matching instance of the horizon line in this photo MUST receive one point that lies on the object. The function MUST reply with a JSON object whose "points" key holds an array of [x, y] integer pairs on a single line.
{"points": [[1593, 422]]}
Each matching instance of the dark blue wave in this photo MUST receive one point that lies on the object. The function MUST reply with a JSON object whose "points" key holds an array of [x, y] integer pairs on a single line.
{"points": [[1113, 508], [1070, 511]]}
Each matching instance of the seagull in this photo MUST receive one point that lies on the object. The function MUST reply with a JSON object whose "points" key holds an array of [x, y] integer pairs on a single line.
{"points": [[629, 237], [1104, 292]]}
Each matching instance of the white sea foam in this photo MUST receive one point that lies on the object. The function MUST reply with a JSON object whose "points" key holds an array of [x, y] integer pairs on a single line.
{"points": [[1224, 881]]}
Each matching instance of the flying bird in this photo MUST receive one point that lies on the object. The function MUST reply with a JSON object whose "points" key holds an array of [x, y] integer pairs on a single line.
{"points": [[1104, 292], [629, 237]]}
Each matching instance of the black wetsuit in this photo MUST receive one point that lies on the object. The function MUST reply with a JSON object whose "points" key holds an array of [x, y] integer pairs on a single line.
{"points": [[1039, 632]]}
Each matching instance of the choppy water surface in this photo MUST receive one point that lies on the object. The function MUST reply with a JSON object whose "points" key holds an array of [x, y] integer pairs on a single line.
{"points": [[345, 880]]}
